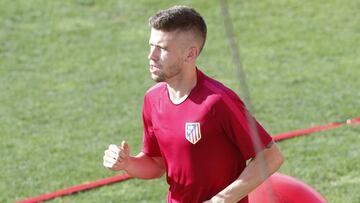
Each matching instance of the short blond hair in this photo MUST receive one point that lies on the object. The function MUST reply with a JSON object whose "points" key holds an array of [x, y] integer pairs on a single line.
{"points": [[181, 18]]}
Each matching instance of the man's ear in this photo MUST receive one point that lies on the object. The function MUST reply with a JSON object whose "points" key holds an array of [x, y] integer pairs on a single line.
{"points": [[192, 54]]}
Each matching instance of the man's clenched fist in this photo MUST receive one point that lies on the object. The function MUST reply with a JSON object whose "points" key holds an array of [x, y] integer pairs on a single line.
{"points": [[116, 157]]}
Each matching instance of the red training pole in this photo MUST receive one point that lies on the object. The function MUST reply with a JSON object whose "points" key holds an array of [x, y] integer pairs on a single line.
{"points": [[77, 188], [119, 178], [306, 131]]}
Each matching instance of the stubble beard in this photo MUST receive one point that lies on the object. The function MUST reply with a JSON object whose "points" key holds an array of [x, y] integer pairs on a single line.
{"points": [[158, 78], [161, 76]]}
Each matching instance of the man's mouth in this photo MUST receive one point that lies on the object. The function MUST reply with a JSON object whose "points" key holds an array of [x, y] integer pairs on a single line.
{"points": [[153, 68]]}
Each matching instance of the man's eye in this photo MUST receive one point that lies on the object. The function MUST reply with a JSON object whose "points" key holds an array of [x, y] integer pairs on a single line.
{"points": [[164, 48], [152, 46]]}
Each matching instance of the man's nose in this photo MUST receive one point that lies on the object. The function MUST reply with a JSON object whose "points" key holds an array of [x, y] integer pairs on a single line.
{"points": [[153, 54]]}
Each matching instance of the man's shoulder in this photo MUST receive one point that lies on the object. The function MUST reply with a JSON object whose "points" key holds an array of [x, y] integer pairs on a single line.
{"points": [[217, 87], [222, 97], [155, 89], [220, 92]]}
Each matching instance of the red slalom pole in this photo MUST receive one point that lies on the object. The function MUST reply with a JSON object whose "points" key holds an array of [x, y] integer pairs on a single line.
{"points": [[306, 131], [77, 188], [119, 178]]}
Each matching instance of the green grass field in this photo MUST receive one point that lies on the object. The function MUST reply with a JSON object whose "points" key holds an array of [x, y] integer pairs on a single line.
{"points": [[73, 74]]}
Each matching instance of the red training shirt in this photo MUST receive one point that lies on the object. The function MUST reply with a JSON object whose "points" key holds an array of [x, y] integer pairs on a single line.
{"points": [[204, 141]]}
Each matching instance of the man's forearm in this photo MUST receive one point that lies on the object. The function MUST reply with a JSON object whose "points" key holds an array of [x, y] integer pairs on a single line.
{"points": [[259, 169], [144, 167]]}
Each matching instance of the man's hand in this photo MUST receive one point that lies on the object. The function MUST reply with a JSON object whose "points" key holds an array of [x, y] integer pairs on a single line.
{"points": [[116, 158]]}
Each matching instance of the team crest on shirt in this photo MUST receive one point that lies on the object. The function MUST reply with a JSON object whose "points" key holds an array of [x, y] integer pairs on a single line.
{"points": [[192, 132]]}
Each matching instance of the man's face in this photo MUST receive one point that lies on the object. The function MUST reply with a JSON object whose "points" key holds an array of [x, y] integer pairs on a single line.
{"points": [[167, 55]]}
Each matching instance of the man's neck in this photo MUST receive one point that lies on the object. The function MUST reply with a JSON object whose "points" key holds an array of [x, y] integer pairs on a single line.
{"points": [[179, 88]]}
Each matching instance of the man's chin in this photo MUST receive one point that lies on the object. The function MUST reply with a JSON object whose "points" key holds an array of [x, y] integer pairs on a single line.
{"points": [[157, 78]]}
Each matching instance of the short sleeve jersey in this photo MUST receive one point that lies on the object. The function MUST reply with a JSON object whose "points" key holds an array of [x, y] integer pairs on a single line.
{"points": [[204, 141]]}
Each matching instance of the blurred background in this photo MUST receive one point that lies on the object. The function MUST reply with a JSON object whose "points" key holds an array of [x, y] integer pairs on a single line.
{"points": [[73, 74]]}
